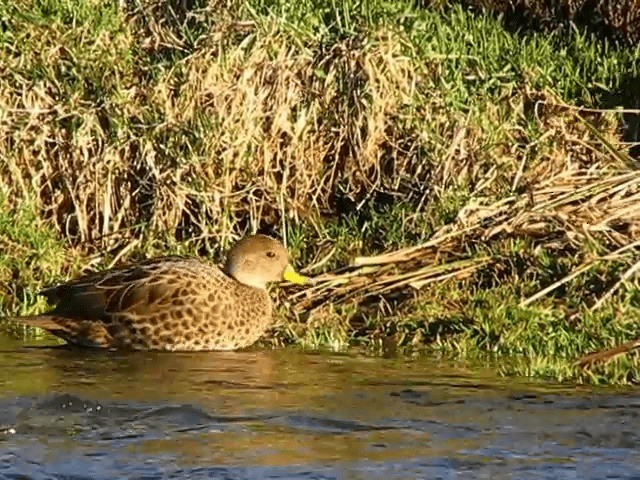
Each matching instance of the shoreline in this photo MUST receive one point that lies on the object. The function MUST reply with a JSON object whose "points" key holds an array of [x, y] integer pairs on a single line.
{"points": [[455, 186]]}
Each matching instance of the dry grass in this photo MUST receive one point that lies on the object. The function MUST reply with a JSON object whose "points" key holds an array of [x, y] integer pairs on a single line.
{"points": [[267, 132]]}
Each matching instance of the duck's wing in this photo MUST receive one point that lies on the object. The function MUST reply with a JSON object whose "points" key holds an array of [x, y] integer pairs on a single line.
{"points": [[95, 304], [135, 289]]}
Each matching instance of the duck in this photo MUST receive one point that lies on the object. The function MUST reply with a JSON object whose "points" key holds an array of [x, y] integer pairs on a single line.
{"points": [[171, 303]]}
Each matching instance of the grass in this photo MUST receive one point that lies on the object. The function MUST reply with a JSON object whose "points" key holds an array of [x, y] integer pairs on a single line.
{"points": [[437, 173]]}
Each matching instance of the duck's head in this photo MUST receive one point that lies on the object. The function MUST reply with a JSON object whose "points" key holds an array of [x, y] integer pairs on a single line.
{"points": [[258, 260]]}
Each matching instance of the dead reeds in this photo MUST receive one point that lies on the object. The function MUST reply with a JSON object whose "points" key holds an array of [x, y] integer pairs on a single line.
{"points": [[583, 192]]}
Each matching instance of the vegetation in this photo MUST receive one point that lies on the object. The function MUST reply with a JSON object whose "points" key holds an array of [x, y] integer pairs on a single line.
{"points": [[612, 19], [454, 186]]}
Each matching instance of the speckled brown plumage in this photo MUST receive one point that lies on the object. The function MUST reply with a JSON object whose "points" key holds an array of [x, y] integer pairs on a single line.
{"points": [[171, 303]]}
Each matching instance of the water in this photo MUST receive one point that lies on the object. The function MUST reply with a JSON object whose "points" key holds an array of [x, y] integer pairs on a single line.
{"points": [[288, 415]]}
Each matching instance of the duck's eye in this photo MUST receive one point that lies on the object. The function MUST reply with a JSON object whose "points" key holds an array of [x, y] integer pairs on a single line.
{"points": [[271, 254]]}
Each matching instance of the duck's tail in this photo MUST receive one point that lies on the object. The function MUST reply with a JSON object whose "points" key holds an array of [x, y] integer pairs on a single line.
{"points": [[76, 332], [46, 322]]}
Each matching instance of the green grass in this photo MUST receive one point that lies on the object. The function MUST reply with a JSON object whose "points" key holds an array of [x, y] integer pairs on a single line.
{"points": [[350, 128]]}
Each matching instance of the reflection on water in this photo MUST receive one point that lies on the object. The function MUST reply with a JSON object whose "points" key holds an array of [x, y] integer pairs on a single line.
{"points": [[284, 415]]}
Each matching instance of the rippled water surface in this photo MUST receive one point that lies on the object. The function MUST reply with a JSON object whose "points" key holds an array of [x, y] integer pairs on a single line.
{"points": [[69, 414]]}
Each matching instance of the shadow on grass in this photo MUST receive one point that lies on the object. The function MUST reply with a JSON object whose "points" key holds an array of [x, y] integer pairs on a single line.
{"points": [[592, 17]]}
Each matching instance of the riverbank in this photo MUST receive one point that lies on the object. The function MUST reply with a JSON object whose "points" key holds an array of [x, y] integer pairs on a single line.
{"points": [[455, 187]]}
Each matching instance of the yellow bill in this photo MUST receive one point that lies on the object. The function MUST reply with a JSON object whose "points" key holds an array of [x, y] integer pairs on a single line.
{"points": [[290, 275]]}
